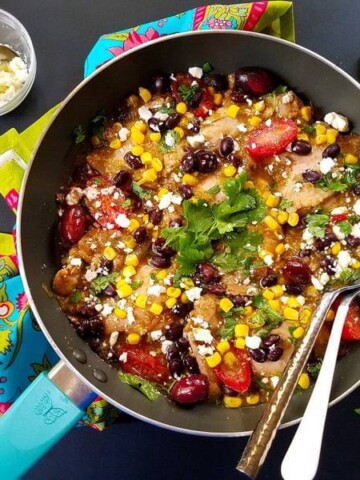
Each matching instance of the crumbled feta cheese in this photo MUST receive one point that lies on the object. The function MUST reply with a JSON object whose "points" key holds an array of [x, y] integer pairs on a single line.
{"points": [[123, 357], [90, 275], [326, 165], [130, 315], [203, 335], [317, 284], [249, 101], [297, 187], [287, 98], [155, 335], [241, 127], [193, 293], [355, 232], [74, 196], [76, 262], [12, 78], [344, 259], [274, 381], [176, 199], [205, 350], [169, 139], [144, 113], [337, 121], [253, 342], [338, 233], [165, 201], [156, 290], [161, 116], [124, 134], [324, 278], [107, 309], [268, 122], [196, 140], [122, 220], [356, 207], [268, 260], [91, 193], [301, 300], [196, 72], [98, 307], [338, 210], [164, 346], [113, 338]]}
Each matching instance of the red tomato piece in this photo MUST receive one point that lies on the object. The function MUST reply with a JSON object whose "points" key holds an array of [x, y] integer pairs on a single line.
{"points": [[207, 104], [339, 217], [140, 362], [109, 210], [236, 373], [351, 329], [268, 140]]}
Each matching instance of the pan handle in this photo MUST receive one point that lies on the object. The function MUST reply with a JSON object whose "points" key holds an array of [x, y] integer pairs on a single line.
{"points": [[39, 418]]}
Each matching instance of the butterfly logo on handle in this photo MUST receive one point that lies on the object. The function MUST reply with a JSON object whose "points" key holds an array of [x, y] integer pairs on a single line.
{"points": [[47, 410]]}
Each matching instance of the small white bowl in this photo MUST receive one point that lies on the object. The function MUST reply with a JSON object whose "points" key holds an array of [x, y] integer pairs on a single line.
{"points": [[14, 36]]}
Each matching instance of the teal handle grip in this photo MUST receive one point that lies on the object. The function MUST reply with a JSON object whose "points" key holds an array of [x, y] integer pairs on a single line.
{"points": [[33, 425]]}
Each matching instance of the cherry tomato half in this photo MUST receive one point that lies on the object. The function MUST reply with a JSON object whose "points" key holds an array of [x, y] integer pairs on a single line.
{"points": [[235, 370], [140, 362], [351, 329]]}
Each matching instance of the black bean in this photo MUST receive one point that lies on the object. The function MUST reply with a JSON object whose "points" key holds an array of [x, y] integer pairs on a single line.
{"points": [[160, 83], [161, 249], [206, 161], [305, 252], [191, 364], [258, 354], [332, 151], [140, 235], [156, 125], [215, 288], [218, 81], [207, 272], [181, 310], [195, 100], [255, 80], [238, 300], [352, 241], [155, 216], [87, 311], [172, 121], [160, 262], [329, 265], [271, 339], [194, 126], [122, 179], [356, 189], [293, 289], [90, 328], [229, 392], [174, 331], [110, 290], [123, 113], [136, 202], [234, 160], [94, 344], [238, 96], [183, 344], [311, 176], [176, 223], [301, 147], [176, 367], [186, 191], [275, 353], [172, 352], [133, 161], [269, 281], [188, 163], [226, 146], [321, 244], [107, 265]]}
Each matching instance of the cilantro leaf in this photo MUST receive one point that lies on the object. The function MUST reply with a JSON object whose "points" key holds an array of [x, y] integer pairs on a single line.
{"points": [[233, 186], [75, 297], [308, 129], [330, 183], [207, 68], [313, 368], [272, 316], [317, 223], [198, 215], [78, 134], [228, 330], [147, 388], [348, 276], [213, 190], [281, 89], [257, 319], [242, 245], [284, 204], [97, 125], [100, 283], [139, 191], [227, 262], [187, 92], [345, 227], [165, 109]]}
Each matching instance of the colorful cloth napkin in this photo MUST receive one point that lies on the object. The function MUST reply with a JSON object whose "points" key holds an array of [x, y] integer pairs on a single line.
{"points": [[24, 351]]}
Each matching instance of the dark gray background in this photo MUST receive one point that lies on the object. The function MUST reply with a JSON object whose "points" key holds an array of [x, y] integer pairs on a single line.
{"points": [[63, 32]]}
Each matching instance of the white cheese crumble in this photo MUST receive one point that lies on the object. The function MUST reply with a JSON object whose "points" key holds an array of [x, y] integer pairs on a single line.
{"points": [[253, 342], [338, 233], [156, 290], [74, 196], [107, 310], [90, 275], [193, 293], [344, 259], [144, 113], [12, 79], [123, 357], [287, 98], [124, 134], [317, 284], [130, 315], [338, 210], [122, 220], [356, 207], [196, 72], [337, 121], [241, 127], [203, 335], [355, 232], [76, 262], [91, 193], [268, 260], [326, 165], [205, 350], [164, 346], [196, 140], [113, 338], [165, 201], [155, 335]]}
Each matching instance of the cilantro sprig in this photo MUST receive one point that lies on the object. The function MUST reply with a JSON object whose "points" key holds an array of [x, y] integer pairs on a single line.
{"points": [[147, 388], [99, 284], [317, 223], [187, 92]]}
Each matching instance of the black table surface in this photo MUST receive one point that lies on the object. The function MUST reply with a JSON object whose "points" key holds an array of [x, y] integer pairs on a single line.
{"points": [[63, 33]]}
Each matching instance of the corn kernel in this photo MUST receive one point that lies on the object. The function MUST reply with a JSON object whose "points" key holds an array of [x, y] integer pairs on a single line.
{"points": [[173, 292], [331, 135], [214, 360], [263, 253], [133, 338], [148, 176], [137, 136], [162, 192], [298, 332], [259, 106], [275, 305], [155, 136], [170, 302], [184, 298], [272, 201], [305, 316], [304, 381], [306, 113], [248, 310], [137, 150], [330, 316], [230, 359], [255, 121], [124, 290], [335, 249], [277, 290], [146, 158], [240, 343], [190, 180], [274, 212], [155, 234], [181, 108], [145, 218], [241, 330], [268, 294], [253, 399], [188, 283], [311, 291], [283, 217], [129, 271], [132, 259], [109, 253], [120, 313], [320, 139], [223, 347], [180, 131], [249, 185], [291, 314], [320, 129], [293, 302], [350, 159], [226, 304], [115, 144], [271, 223], [280, 249], [95, 141], [133, 225], [233, 111], [356, 265], [130, 243], [157, 164], [229, 171], [303, 136], [232, 402], [145, 94], [156, 308], [293, 219], [218, 98], [140, 301], [161, 275]]}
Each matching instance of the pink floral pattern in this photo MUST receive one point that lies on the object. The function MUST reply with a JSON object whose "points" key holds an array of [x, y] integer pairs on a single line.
{"points": [[21, 301], [216, 23], [134, 39]]}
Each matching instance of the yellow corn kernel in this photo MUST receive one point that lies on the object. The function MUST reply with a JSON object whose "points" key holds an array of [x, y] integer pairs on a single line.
{"points": [[155, 136], [140, 125], [268, 294], [320, 139], [140, 301], [115, 144], [232, 402], [145, 218], [156, 308], [330, 315], [304, 381], [356, 265], [293, 302], [132, 259], [214, 360], [249, 185], [298, 332], [129, 271], [133, 225], [305, 316], [146, 158], [162, 192], [248, 310], [293, 219], [229, 359], [148, 176], [170, 302], [255, 121], [226, 304], [274, 212], [320, 129], [271, 223], [188, 283], [306, 113], [145, 94], [190, 180], [95, 141], [259, 106], [291, 314], [109, 253], [335, 249], [120, 313], [173, 292], [350, 159], [240, 343], [283, 217], [277, 290], [133, 338], [124, 290], [331, 135], [218, 98], [280, 249], [241, 330], [184, 298], [180, 131], [223, 347], [130, 243], [161, 275], [233, 111], [181, 108], [137, 136], [272, 201], [311, 291], [303, 136], [229, 171], [253, 399], [137, 150], [275, 305], [157, 164]]}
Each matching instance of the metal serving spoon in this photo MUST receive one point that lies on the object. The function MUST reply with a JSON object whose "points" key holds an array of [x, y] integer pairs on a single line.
{"points": [[262, 437], [302, 458]]}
